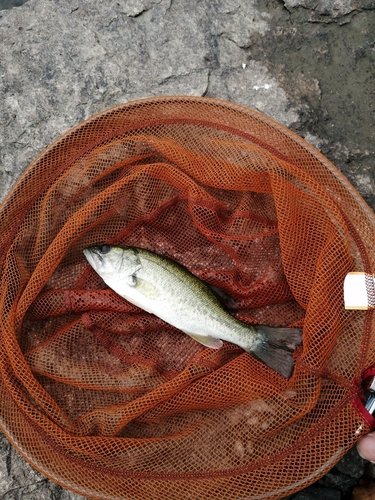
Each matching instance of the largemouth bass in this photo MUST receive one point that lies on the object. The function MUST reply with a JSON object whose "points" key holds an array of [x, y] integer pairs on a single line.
{"points": [[162, 287]]}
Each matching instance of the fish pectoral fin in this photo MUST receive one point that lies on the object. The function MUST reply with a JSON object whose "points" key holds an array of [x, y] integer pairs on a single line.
{"points": [[131, 278], [206, 340], [146, 288]]}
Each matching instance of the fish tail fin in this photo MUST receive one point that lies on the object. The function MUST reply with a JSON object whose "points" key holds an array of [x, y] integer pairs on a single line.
{"points": [[275, 350]]}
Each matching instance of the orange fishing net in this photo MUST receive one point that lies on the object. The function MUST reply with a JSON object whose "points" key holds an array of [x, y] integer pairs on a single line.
{"points": [[112, 402]]}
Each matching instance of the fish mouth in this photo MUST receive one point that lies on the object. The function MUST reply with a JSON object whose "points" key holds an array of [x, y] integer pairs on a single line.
{"points": [[95, 254], [89, 254]]}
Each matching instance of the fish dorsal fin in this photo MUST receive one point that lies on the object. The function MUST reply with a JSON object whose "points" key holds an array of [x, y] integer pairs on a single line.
{"points": [[206, 340]]}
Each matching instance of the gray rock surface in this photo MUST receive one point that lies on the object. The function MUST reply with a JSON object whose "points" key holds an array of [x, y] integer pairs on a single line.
{"points": [[308, 64], [9, 4], [344, 483], [352, 464], [19, 481], [318, 494]]}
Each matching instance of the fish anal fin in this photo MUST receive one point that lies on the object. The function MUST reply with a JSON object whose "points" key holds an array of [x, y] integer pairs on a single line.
{"points": [[206, 340]]}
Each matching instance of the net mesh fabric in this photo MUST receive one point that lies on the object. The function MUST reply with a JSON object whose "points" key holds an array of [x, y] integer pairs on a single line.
{"points": [[112, 402]]}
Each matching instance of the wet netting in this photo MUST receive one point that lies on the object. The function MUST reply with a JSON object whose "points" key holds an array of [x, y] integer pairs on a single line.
{"points": [[113, 403]]}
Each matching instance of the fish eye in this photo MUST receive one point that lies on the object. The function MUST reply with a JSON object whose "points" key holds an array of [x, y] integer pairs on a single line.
{"points": [[104, 249]]}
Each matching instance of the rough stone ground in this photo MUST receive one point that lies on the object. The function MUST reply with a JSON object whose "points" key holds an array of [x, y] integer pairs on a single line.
{"points": [[307, 63]]}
